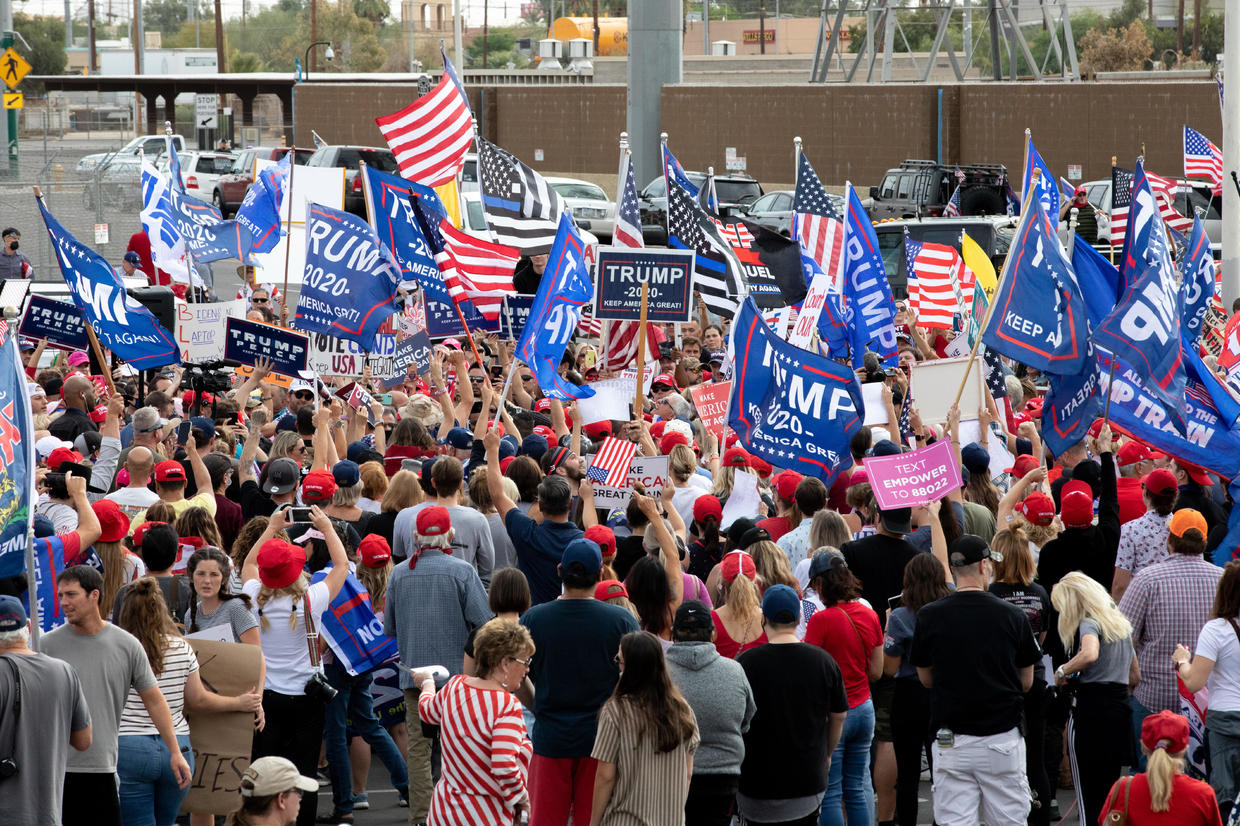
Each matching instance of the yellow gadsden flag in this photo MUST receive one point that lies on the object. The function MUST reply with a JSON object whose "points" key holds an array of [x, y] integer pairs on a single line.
{"points": [[975, 259]]}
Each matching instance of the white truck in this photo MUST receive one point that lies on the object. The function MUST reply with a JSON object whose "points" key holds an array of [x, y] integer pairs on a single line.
{"points": [[151, 145]]}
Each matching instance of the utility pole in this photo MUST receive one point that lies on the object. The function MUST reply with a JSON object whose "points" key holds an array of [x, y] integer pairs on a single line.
{"points": [[68, 25], [1231, 156], [7, 39], [311, 63], [762, 27], [485, 7], [992, 14], [221, 62], [1179, 29], [457, 35], [139, 46], [93, 59], [596, 28], [1196, 29]]}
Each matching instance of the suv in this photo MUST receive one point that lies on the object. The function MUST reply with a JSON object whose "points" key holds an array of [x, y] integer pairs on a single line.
{"points": [[153, 145], [201, 170], [735, 192], [350, 157], [993, 233], [923, 188], [1190, 197], [230, 187]]}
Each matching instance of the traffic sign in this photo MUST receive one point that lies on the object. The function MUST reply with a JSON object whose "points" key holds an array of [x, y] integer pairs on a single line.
{"points": [[12, 100], [14, 67], [205, 115]]}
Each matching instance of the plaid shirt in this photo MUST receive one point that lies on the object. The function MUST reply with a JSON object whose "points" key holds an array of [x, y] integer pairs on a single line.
{"points": [[1142, 542], [1167, 604]]}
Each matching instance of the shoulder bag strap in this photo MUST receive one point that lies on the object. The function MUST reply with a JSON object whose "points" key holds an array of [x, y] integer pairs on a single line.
{"points": [[312, 634], [1235, 626], [1127, 789], [855, 629]]}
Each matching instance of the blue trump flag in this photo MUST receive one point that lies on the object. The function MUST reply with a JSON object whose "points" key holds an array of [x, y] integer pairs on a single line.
{"points": [[432, 281], [123, 325], [353, 630], [791, 407], [565, 288], [673, 171], [260, 211], [1197, 283], [866, 291], [1145, 240], [1039, 316], [1071, 406], [1097, 278], [349, 286], [1047, 188], [17, 460], [390, 204], [207, 236]]}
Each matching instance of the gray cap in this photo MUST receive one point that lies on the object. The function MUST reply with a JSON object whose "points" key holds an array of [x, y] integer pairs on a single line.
{"points": [[283, 475]]}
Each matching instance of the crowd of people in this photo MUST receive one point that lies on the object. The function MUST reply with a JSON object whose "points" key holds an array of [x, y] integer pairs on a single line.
{"points": [[649, 663]]}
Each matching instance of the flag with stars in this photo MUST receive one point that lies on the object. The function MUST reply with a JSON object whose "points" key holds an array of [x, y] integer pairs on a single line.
{"points": [[673, 171], [1202, 159], [1121, 197], [17, 459], [953, 204], [817, 222], [1047, 188], [628, 230], [521, 208], [706, 195], [717, 270], [611, 463]]}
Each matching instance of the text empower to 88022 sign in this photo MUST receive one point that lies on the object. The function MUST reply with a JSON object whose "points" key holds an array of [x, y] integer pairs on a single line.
{"points": [[621, 273]]}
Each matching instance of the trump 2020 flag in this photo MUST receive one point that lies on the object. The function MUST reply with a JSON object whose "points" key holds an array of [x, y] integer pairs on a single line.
{"points": [[260, 211], [159, 223], [564, 289], [349, 286], [353, 630], [390, 204], [1197, 284], [207, 236], [1071, 407], [1039, 315], [17, 461], [123, 325], [1047, 188], [793, 408], [865, 287], [611, 463]]}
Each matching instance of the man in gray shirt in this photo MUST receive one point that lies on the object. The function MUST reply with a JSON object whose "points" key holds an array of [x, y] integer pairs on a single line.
{"points": [[718, 691], [109, 661], [42, 709], [471, 533], [13, 264]]}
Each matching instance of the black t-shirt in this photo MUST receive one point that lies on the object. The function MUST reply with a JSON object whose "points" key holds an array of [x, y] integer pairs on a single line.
{"points": [[796, 687], [975, 644], [254, 502], [383, 524], [1033, 600], [878, 561], [629, 549]]}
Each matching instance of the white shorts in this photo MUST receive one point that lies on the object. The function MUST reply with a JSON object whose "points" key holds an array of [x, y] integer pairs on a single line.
{"points": [[981, 772]]}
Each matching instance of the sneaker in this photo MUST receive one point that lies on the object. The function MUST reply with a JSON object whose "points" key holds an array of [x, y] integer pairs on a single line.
{"points": [[361, 801], [403, 802], [324, 778], [336, 818]]}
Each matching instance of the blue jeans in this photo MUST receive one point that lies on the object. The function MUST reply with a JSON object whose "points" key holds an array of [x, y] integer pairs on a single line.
{"points": [[149, 792], [1139, 713], [354, 705], [850, 795]]}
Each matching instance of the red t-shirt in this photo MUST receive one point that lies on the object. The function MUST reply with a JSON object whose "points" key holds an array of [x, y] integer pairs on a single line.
{"points": [[1131, 505], [1192, 803], [728, 647], [849, 632]]}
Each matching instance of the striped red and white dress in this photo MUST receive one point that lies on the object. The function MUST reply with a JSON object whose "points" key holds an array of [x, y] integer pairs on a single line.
{"points": [[486, 754]]}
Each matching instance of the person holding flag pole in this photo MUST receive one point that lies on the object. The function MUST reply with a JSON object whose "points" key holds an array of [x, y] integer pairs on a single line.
{"points": [[288, 239]]}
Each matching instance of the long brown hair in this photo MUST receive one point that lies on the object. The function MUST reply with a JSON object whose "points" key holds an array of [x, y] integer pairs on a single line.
{"points": [[112, 555], [772, 565], [200, 523], [225, 594], [375, 581], [923, 582], [646, 696], [145, 615], [1017, 566], [1227, 597]]}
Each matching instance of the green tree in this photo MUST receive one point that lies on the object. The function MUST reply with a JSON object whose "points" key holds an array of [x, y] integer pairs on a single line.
{"points": [[168, 16], [245, 62], [376, 11], [46, 36]]}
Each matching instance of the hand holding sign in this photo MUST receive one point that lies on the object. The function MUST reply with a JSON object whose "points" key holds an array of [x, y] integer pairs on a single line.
{"points": [[913, 478]]}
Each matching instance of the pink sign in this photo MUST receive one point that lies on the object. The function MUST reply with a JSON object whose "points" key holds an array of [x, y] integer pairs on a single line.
{"points": [[711, 401], [914, 478]]}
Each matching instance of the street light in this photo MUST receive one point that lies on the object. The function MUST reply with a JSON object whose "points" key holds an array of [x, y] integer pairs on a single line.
{"points": [[329, 54]]}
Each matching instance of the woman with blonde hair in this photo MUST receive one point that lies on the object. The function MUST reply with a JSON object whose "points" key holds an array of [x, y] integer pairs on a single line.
{"points": [[287, 445], [1102, 668], [738, 619], [119, 568], [198, 522], [864, 515], [828, 530], [286, 605], [682, 467], [1163, 793], [374, 485], [772, 565], [403, 492]]}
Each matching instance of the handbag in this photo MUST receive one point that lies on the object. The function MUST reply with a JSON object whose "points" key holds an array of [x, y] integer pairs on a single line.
{"points": [[1113, 817], [317, 686]]}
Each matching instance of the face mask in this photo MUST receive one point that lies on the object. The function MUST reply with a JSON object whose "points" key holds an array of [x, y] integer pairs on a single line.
{"points": [[13, 246]]}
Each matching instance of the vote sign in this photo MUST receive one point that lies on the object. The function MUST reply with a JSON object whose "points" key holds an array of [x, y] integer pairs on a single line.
{"points": [[58, 322], [668, 275], [913, 478], [248, 341]]}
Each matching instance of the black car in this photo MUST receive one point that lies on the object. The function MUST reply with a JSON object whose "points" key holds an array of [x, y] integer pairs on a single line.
{"points": [[350, 157], [735, 193], [922, 189], [993, 234]]}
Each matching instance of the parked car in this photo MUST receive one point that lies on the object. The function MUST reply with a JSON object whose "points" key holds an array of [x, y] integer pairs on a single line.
{"points": [[351, 157], [923, 188], [735, 192], [230, 188], [774, 210], [152, 145], [201, 170], [115, 185], [589, 204], [993, 233], [1191, 197]]}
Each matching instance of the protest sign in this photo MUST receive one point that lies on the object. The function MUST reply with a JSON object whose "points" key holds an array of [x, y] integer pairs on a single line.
{"points": [[651, 471], [875, 410], [332, 356], [622, 272], [612, 401], [221, 740], [442, 320], [935, 384], [249, 341], [913, 478], [415, 352], [1000, 459], [744, 500], [200, 329], [58, 322], [711, 401], [512, 316]]}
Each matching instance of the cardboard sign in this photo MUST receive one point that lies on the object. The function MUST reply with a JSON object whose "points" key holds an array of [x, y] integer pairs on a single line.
{"points": [[935, 384], [711, 401], [249, 341], [1000, 459], [651, 471], [875, 410], [914, 478], [668, 275], [221, 740], [516, 309], [331, 356], [200, 329], [58, 322]]}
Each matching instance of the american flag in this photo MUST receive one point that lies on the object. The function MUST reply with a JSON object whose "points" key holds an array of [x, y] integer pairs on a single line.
{"points": [[953, 204], [718, 272], [521, 208], [1204, 159], [430, 136], [1121, 197], [621, 336], [589, 325], [476, 269], [1164, 192], [816, 221], [611, 463], [937, 288]]}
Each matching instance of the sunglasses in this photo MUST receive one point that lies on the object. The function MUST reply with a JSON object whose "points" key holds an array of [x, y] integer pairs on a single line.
{"points": [[304, 395], [259, 300], [527, 378], [477, 379]]}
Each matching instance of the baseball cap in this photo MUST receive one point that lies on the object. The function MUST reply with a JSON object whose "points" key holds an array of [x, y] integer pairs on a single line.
{"points": [[77, 358], [785, 484], [1023, 465], [755, 535], [664, 379], [139, 533], [824, 561], [976, 458], [283, 474], [99, 415], [318, 486], [781, 604], [433, 521], [969, 550], [657, 428], [585, 553], [204, 424], [542, 405], [1165, 730], [1039, 508], [897, 520], [670, 440], [61, 455], [374, 551], [87, 442], [169, 471], [1195, 472], [605, 538], [760, 466], [112, 520], [133, 258], [719, 356], [737, 562], [1131, 453], [346, 473], [1186, 519], [885, 447], [47, 444], [609, 589], [1076, 504], [12, 614], [598, 430], [1160, 482], [27, 344], [533, 446], [735, 457], [460, 438], [280, 563], [297, 385], [692, 615], [706, 506], [269, 776]]}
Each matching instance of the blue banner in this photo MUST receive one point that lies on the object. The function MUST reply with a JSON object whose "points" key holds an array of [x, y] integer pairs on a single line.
{"points": [[564, 289], [866, 291], [123, 325], [1197, 283], [1039, 316], [667, 274], [248, 341], [442, 320], [207, 236], [1098, 280], [352, 629], [513, 315], [1071, 406], [348, 288], [791, 407], [1145, 241], [391, 213], [1047, 188], [58, 322], [17, 460], [259, 213]]}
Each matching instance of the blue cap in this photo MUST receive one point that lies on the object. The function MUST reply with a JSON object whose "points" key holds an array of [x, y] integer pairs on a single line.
{"points": [[346, 473], [781, 604], [460, 438], [43, 527], [133, 258], [975, 457], [204, 424], [586, 553], [508, 446], [885, 447], [533, 446], [12, 614], [357, 452]]}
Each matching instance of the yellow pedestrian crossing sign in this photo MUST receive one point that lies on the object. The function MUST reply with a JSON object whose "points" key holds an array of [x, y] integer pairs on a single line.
{"points": [[13, 67], [13, 100]]}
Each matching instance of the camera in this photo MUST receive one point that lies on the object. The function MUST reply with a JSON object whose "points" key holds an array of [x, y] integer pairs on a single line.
{"points": [[318, 688], [8, 768]]}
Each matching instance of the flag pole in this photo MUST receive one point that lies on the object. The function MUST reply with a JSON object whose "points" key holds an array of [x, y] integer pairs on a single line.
{"points": [[1110, 242], [503, 394], [1106, 408], [288, 238], [667, 187], [641, 350]]}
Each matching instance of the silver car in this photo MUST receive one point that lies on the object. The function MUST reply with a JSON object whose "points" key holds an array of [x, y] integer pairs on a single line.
{"points": [[589, 204], [1191, 197], [774, 210]]}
